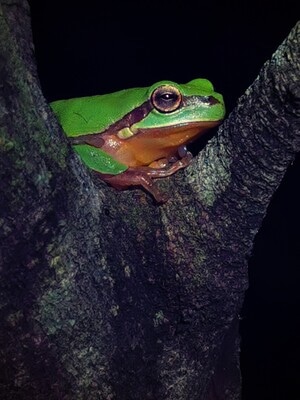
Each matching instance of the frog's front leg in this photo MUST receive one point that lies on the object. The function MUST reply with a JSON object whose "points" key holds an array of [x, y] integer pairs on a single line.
{"points": [[167, 169]]}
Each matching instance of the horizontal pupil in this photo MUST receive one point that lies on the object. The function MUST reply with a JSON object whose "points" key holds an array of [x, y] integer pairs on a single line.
{"points": [[168, 96]]}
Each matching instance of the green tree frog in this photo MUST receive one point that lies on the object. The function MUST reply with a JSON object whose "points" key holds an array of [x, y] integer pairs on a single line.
{"points": [[133, 136]]}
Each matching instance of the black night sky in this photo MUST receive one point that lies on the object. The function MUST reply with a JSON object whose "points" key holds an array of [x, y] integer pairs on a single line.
{"points": [[90, 47]]}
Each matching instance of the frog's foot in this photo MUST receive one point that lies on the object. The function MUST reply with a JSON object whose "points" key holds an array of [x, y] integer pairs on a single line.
{"points": [[134, 177]]}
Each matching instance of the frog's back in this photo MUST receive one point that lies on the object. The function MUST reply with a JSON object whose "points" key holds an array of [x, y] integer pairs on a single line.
{"points": [[94, 114]]}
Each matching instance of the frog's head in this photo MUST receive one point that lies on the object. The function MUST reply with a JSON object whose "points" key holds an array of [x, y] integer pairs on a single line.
{"points": [[176, 107]]}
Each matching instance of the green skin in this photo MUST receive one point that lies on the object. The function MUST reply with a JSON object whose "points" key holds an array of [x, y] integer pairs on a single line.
{"points": [[133, 136]]}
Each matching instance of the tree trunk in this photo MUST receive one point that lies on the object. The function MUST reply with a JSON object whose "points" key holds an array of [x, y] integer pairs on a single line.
{"points": [[106, 295]]}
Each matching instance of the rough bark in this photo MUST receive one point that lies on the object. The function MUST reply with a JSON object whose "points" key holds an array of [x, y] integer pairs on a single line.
{"points": [[105, 295]]}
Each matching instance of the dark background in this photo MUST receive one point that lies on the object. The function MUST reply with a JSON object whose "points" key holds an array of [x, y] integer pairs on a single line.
{"points": [[95, 47]]}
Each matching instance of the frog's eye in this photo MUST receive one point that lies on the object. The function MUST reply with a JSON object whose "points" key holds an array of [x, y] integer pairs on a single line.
{"points": [[166, 98]]}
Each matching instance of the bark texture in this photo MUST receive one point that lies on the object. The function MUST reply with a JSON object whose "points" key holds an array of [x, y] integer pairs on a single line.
{"points": [[105, 295]]}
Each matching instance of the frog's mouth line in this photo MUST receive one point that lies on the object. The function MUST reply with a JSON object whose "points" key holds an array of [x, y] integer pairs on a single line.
{"points": [[176, 128], [191, 129], [131, 131]]}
